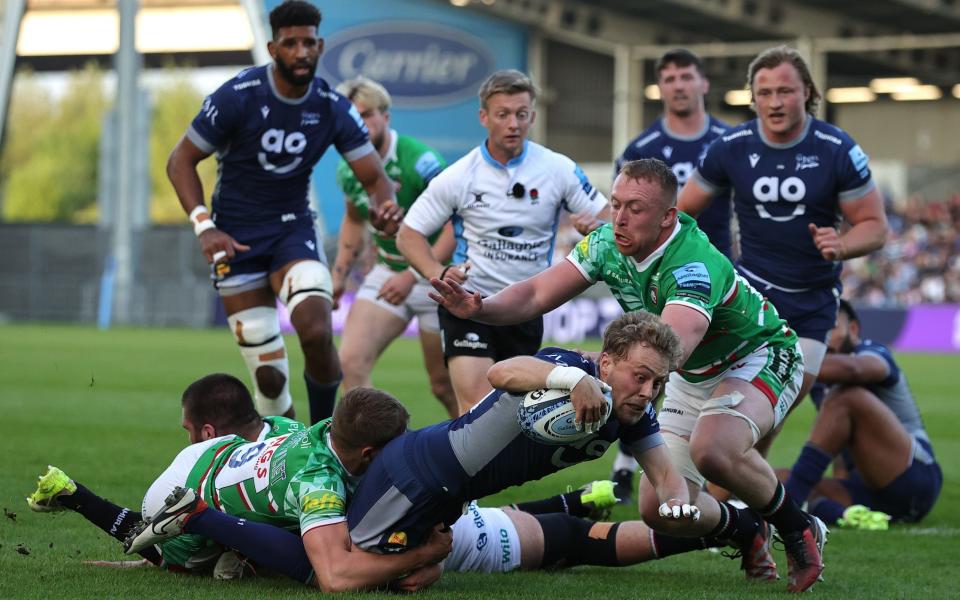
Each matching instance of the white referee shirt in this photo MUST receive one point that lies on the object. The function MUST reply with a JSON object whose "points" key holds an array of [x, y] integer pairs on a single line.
{"points": [[506, 238]]}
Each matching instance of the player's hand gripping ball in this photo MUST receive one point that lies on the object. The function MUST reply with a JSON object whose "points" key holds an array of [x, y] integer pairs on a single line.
{"points": [[547, 416]]}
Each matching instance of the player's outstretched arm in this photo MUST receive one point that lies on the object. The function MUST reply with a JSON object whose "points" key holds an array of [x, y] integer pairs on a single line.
{"points": [[349, 247], [672, 493], [693, 199], [518, 302], [385, 213], [340, 566]]}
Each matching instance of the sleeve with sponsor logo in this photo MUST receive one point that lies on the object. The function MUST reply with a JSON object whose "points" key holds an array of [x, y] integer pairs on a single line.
{"points": [[853, 171], [435, 205], [318, 495], [578, 193], [586, 255], [690, 284], [428, 165], [644, 434], [351, 133], [711, 173], [221, 114]]}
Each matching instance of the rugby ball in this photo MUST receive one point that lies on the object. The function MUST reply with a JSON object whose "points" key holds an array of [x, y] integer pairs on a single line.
{"points": [[547, 416]]}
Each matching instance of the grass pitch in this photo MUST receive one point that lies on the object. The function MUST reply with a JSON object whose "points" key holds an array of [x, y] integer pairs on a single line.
{"points": [[104, 406]]}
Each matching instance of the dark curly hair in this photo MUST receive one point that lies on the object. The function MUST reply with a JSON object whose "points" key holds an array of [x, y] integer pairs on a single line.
{"points": [[293, 13]]}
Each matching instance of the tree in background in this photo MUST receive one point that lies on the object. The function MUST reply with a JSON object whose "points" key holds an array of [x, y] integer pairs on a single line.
{"points": [[174, 107], [49, 161], [48, 164]]}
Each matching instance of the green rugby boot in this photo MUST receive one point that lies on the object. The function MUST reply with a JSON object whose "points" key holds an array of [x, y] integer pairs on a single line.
{"points": [[52, 484]]}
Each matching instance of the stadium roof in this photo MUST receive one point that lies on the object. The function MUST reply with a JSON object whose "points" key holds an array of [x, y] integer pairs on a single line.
{"points": [[843, 25]]}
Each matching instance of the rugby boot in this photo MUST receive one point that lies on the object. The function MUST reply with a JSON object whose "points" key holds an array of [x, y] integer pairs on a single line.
{"points": [[167, 523], [52, 484], [805, 555]]}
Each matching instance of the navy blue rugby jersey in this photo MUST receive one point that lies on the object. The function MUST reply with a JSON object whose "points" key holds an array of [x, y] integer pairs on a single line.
{"points": [[778, 189], [683, 154], [484, 451], [894, 391], [267, 144]]}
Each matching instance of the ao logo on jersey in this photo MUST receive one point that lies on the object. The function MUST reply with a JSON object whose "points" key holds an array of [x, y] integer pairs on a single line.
{"points": [[771, 189], [682, 170], [278, 141]]}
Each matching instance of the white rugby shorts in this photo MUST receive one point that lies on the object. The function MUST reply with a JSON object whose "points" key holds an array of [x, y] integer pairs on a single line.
{"points": [[484, 541], [417, 304]]}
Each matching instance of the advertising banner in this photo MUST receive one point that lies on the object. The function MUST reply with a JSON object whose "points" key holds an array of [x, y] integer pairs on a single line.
{"points": [[431, 57]]}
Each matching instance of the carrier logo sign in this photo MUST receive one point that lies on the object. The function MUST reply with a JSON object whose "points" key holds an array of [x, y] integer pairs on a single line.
{"points": [[421, 65]]}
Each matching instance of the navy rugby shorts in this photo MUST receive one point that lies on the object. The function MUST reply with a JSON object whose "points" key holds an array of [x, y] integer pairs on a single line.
{"points": [[273, 244], [910, 496]]}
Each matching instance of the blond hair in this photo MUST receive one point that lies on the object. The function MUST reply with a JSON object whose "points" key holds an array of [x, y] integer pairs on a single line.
{"points": [[641, 327], [367, 92], [507, 81]]}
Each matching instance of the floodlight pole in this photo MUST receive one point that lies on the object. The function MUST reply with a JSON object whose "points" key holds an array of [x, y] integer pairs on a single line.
{"points": [[127, 65], [12, 15], [258, 27]]}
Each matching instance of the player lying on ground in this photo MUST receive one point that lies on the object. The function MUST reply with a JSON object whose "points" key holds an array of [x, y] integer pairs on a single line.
{"points": [[213, 406], [869, 417], [484, 451], [741, 363], [220, 405], [306, 487]]}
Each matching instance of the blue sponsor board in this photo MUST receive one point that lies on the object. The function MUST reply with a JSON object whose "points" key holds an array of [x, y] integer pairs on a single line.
{"points": [[431, 57], [422, 65]]}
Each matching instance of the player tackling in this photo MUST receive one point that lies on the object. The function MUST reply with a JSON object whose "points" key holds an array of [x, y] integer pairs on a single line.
{"points": [[741, 366]]}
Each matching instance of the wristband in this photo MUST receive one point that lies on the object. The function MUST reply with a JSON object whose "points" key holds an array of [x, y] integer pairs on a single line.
{"points": [[201, 220], [202, 226], [565, 378], [444, 272]]}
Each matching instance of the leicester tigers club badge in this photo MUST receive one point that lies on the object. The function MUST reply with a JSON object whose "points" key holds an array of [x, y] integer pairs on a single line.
{"points": [[220, 270], [396, 542]]}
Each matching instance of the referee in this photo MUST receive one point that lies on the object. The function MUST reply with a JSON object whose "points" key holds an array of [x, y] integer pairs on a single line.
{"points": [[504, 198]]}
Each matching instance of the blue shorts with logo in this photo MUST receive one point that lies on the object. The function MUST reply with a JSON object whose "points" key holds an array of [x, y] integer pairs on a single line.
{"points": [[811, 313], [273, 243], [910, 496], [412, 486]]}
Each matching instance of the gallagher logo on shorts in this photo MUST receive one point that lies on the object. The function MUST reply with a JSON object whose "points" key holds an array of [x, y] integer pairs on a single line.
{"points": [[422, 65], [470, 340]]}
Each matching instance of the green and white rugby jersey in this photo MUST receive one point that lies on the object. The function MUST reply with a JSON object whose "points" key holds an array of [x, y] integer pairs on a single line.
{"points": [[410, 163], [688, 270], [291, 479]]}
